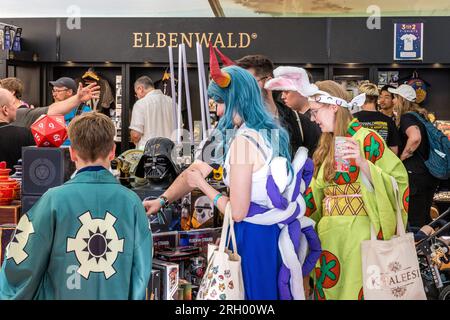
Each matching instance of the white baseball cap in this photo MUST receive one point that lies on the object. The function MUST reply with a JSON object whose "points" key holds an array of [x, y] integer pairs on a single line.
{"points": [[405, 91], [291, 79]]}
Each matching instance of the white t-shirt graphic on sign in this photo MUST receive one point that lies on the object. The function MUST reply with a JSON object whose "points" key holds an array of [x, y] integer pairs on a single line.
{"points": [[408, 41]]}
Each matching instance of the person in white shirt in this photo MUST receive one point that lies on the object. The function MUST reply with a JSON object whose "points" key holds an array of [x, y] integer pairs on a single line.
{"points": [[152, 114]]}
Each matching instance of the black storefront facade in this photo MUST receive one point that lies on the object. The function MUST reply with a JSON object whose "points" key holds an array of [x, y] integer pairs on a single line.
{"points": [[329, 48]]}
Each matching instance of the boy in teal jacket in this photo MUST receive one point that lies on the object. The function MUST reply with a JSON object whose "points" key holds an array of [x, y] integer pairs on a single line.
{"points": [[87, 239]]}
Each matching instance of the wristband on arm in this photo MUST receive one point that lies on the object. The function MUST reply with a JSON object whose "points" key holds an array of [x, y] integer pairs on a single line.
{"points": [[216, 198], [163, 201]]}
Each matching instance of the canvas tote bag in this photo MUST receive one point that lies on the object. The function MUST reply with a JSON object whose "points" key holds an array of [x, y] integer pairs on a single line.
{"points": [[223, 277], [390, 267]]}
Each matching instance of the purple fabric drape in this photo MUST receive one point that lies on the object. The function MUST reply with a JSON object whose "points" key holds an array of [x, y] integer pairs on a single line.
{"points": [[293, 224]]}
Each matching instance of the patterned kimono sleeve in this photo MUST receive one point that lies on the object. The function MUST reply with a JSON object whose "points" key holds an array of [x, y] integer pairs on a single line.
{"points": [[313, 199], [381, 202], [28, 253], [142, 255]]}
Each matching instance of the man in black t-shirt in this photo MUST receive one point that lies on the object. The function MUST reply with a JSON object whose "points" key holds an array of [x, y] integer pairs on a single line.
{"points": [[262, 69], [305, 132], [385, 101], [382, 124], [370, 118], [12, 138], [296, 88]]}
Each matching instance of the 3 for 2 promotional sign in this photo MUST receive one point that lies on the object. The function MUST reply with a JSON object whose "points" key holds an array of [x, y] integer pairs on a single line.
{"points": [[408, 41]]}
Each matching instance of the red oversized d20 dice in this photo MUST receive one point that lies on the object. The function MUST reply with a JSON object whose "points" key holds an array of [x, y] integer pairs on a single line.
{"points": [[49, 131]]}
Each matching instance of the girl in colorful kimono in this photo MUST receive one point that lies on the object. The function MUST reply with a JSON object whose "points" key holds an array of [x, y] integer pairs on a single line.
{"points": [[346, 204], [266, 190]]}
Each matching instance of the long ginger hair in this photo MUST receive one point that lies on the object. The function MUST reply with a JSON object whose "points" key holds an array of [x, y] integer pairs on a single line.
{"points": [[324, 154]]}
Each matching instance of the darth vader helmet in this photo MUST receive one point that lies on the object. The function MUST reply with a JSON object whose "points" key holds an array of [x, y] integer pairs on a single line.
{"points": [[156, 163]]}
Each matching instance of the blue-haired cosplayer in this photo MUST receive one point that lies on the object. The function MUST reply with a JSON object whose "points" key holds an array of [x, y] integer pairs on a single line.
{"points": [[275, 237]]}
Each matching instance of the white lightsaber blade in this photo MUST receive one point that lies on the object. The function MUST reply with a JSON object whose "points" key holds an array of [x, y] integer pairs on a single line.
{"points": [[205, 90], [200, 86], [172, 85], [188, 94], [180, 86]]}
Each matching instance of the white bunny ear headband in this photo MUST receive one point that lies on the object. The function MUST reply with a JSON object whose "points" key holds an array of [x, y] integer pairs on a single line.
{"points": [[354, 105]]}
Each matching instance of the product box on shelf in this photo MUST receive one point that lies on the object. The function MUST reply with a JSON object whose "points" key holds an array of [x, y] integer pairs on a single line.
{"points": [[180, 255], [165, 240], [153, 291], [169, 278], [199, 212], [195, 270], [199, 238], [177, 254], [6, 234]]}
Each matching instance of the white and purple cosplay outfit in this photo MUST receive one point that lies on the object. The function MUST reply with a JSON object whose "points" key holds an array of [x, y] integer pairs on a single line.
{"points": [[277, 243]]}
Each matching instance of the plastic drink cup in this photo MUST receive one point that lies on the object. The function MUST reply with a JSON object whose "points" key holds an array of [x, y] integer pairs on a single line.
{"points": [[340, 164]]}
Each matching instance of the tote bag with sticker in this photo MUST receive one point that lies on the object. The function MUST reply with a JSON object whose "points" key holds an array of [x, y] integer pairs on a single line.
{"points": [[390, 267], [223, 277]]}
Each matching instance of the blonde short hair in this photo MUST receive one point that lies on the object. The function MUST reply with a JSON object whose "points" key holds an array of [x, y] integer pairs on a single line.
{"points": [[92, 135], [369, 89]]}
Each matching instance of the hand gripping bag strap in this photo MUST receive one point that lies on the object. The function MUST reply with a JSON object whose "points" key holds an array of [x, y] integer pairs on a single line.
{"points": [[228, 230]]}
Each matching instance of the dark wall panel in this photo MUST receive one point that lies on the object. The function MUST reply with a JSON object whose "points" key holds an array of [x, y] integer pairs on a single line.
{"points": [[30, 76], [284, 40], [38, 36], [351, 40], [437, 41], [439, 99]]}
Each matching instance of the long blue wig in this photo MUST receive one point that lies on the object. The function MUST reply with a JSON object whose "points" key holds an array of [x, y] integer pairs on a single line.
{"points": [[243, 97]]}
